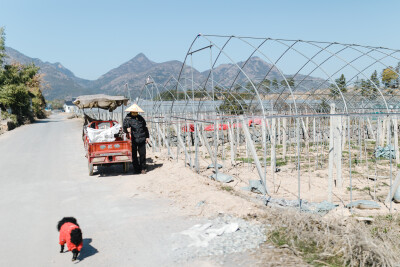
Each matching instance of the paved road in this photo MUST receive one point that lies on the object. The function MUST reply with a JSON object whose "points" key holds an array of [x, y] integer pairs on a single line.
{"points": [[43, 176]]}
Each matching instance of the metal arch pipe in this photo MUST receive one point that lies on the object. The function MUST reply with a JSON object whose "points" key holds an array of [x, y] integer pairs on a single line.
{"points": [[371, 50], [343, 49], [215, 61], [361, 74], [183, 66], [294, 101], [323, 70], [316, 67], [305, 64], [244, 73], [244, 64], [357, 94], [377, 60], [281, 74]]}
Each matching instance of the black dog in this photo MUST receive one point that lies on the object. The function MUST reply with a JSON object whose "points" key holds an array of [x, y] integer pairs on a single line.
{"points": [[70, 234]]}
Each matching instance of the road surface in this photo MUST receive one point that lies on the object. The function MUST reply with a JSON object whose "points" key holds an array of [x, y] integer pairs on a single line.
{"points": [[43, 175]]}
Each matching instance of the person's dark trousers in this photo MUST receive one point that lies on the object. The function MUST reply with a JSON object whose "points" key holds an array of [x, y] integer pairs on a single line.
{"points": [[139, 164]]}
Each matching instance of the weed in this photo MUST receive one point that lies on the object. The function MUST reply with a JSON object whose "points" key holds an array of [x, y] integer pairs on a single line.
{"points": [[355, 188], [227, 188], [245, 160]]}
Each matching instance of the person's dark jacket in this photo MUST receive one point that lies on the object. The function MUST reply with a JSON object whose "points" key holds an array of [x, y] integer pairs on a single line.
{"points": [[139, 131]]}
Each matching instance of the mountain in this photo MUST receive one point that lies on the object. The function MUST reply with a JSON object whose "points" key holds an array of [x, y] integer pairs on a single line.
{"points": [[59, 81], [63, 84]]}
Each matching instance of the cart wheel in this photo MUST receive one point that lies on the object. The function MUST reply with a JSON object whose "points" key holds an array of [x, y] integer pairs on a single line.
{"points": [[90, 167], [126, 167]]}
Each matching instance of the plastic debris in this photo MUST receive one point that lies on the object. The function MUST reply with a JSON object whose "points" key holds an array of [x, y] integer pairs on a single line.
{"points": [[211, 166], [222, 177], [321, 208], [385, 152], [255, 186], [396, 196], [363, 204], [201, 203]]}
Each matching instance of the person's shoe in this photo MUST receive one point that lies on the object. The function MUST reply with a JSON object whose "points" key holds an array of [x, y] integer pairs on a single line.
{"points": [[143, 171]]}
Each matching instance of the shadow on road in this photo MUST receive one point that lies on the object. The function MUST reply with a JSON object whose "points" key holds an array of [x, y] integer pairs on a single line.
{"points": [[44, 121], [87, 249], [117, 170], [151, 167], [109, 170]]}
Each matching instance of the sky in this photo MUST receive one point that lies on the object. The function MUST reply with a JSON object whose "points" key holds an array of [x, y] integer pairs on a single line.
{"points": [[92, 37]]}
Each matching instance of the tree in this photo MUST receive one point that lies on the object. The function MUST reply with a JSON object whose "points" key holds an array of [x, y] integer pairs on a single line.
{"points": [[266, 85], [2, 45], [340, 84], [288, 82], [389, 77], [323, 107], [20, 88], [374, 79], [275, 84], [368, 89], [232, 105]]}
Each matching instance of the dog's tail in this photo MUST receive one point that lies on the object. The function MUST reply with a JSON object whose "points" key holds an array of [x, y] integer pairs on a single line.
{"points": [[76, 236], [65, 220]]}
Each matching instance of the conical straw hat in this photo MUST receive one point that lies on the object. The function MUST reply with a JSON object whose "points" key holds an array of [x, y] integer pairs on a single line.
{"points": [[134, 108]]}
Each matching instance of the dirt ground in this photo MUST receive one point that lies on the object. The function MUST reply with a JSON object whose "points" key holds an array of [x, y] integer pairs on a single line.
{"points": [[127, 219]]}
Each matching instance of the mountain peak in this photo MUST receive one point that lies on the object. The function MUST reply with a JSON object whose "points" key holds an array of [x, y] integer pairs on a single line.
{"points": [[140, 58]]}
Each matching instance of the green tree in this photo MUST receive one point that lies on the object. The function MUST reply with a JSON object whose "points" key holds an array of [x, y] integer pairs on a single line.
{"points": [[233, 105], [2, 45], [339, 83], [368, 89], [266, 85], [374, 79], [288, 82], [20, 88], [275, 84], [323, 107]]}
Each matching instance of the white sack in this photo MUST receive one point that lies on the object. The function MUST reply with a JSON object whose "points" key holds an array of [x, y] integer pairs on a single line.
{"points": [[103, 135]]}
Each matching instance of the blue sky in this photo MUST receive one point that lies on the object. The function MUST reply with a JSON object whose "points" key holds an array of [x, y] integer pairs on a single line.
{"points": [[92, 37]]}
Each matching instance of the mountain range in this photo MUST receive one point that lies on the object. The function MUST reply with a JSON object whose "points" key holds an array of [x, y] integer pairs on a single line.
{"points": [[61, 83]]}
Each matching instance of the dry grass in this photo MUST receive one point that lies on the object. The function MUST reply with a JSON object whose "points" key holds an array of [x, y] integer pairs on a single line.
{"points": [[322, 242]]}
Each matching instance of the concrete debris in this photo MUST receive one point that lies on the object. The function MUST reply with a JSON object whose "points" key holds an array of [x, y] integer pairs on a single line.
{"points": [[220, 236]]}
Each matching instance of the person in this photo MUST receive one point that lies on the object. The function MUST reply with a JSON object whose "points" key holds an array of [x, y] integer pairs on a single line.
{"points": [[135, 125]]}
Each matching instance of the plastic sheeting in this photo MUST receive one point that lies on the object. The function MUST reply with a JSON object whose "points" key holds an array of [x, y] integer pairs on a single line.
{"points": [[385, 152], [222, 177], [396, 196], [211, 166], [320, 208], [103, 135], [100, 101], [255, 186], [363, 204]]}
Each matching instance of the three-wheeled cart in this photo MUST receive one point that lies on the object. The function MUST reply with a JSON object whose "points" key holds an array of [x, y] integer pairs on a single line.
{"points": [[104, 140]]}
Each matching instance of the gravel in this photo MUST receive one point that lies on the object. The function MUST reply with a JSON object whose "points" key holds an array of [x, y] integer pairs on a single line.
{"points": [[248, 236]]}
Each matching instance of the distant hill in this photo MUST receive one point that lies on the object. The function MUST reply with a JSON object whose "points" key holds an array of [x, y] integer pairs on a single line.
{"points": [[63, 84]]}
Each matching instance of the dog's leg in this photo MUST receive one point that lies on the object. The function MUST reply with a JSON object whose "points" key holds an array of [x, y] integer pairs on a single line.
{"points": [[62, 249], [75, 253]]}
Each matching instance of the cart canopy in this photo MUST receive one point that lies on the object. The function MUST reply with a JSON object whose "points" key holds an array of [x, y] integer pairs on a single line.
{"points": [[100, 101]]}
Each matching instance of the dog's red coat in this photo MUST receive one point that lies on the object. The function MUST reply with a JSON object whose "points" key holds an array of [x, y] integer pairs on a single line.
{"points": [[65, 236]]}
